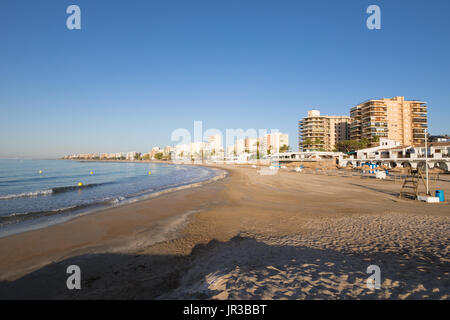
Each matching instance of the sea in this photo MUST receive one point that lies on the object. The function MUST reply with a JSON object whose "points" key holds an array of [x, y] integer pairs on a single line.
{"points": [[38, 193]]}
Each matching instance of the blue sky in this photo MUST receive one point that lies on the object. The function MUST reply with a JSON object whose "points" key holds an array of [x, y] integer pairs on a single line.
{"points": [[137, 70]]}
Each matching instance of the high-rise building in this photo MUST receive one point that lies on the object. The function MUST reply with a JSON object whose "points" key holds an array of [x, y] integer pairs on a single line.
{"points": [[396, 119], [271, 143], [251, 145], [215, 144], [240, 146], [322, 133]]}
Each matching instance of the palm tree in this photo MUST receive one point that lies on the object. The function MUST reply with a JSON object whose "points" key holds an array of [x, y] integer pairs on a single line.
{"points": [[284, 148], [257, 150]]}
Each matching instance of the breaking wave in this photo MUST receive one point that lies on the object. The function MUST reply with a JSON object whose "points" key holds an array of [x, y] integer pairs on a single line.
{"points": [[48, 191]]}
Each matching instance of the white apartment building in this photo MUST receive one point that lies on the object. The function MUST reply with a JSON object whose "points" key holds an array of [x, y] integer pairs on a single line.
{"points": [[240, 146], [215, 142], [182, 151], [272, 142], [168, 150], [131, 155], [251, 145]]}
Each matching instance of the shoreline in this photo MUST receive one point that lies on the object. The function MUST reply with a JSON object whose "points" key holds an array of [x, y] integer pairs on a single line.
{"points": [[284, 236], [64, 215], [138, 201]]}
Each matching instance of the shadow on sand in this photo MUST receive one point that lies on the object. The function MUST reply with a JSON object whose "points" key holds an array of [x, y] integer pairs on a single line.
{"points": [[241, 268], [391, 193]]}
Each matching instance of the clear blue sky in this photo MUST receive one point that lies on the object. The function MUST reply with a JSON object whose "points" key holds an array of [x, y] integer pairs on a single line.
{"points": [[137, 70]]}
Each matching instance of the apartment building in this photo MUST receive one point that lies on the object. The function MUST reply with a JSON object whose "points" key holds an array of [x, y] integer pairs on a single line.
{"points": [[240, 146], [168, 151], [215, 143], [271, 143], [395, 119], [130, 155], [251, 145], [321, 133], [155, 150]]}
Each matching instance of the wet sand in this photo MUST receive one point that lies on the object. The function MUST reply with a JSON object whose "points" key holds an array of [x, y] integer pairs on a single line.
{"points": [[248, 236]]}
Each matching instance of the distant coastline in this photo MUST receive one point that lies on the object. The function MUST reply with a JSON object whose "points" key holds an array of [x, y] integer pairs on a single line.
{"points": [[121, 161]]}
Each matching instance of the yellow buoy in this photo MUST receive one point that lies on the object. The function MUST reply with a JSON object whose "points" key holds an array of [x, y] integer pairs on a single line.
{"points": [[92, 172], [40, 171], [149, 172], [80, 184]]}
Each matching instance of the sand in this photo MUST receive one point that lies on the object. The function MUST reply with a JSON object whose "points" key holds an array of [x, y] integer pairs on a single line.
{"points": [[247, 236]]}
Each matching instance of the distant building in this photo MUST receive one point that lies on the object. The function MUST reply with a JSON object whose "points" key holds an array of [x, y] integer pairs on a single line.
{"points": [[272, 142], [198, 150], [168, 151], [231, 151], [131, 155], [215, 142], [215, 146], [440, 138], [322, 133], [240, 146], [154, 151], [182, 151], [251, 145], [396, 119]]}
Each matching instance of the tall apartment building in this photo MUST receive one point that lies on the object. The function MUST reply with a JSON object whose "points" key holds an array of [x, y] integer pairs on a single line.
{"points": [[215, 143], [316, 132], [396, 119], [239, 146], [251, 145], [271, 143]]}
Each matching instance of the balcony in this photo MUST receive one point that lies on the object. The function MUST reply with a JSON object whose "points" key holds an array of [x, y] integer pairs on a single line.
{"points": [[375, 125]]}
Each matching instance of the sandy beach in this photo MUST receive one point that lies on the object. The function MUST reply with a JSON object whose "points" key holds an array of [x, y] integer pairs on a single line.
{"points": [[246, 236]]}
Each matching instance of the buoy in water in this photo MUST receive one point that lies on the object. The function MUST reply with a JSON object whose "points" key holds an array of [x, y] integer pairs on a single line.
{"points": [[92, 172], [149, 172], [40, 171], [80, 184]]}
